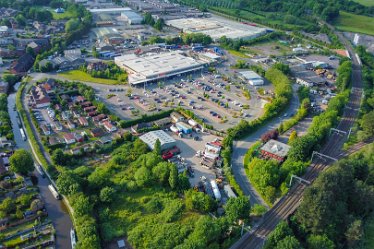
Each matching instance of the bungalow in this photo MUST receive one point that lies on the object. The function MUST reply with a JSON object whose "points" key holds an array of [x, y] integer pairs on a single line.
{"points": [[69, 138], [78, 137], [99, 117], [109, 127], [46, 130], [97, 132], [83, 121], [70, 124]]}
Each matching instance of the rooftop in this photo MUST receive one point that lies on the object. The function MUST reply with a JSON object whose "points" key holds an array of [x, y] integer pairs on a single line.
{"points": [[151, 137], [250, 75], [277, 148]]}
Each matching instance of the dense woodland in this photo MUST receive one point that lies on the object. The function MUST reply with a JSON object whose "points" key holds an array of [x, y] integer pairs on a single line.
{"points": [[334, 209]]}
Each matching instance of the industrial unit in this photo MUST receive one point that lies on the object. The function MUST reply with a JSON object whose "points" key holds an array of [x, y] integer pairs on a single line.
{"points": [[131, 17], [216, 29], [153, 67], [253, 78], [151, 137]]}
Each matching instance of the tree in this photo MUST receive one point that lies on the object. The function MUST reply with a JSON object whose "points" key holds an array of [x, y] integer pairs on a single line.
{"points": [[59, 157], [21, 162], [279, 233], [354, 233], [107, 194], [161, 172], [143, 176], [319, 242], [237, 208], [30, 51], [292, 137], [159, 24], [198, 201], [7, 206], [157, 147], [68, 183], [36, 205], [289, 242], [81, 205], [367, 125], [173, 176]]}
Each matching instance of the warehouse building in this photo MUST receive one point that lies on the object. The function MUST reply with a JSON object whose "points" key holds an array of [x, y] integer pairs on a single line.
{"points": [[253, 78], [153, 67], [131, 17], [217, 28], [151, 137]]}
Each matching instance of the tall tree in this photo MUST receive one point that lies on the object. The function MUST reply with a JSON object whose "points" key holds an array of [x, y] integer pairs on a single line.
{"points": [[21, 162]]}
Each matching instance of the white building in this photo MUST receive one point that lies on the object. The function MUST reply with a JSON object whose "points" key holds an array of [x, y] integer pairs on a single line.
{"points": [[151, 137], [131, 17], [253, 78], [153, 67]]}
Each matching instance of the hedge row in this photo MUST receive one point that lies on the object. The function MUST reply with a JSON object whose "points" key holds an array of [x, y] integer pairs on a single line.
{"points": [[145, 118]]}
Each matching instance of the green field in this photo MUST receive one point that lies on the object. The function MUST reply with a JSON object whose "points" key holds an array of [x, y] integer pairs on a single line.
{"points": [[82, 76], [355, 23], [365, 2], [60, 16]]}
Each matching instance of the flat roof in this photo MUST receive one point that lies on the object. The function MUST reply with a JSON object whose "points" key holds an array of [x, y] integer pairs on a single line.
{"points": [[108, 10], [217, 28], [156, 65], [250, 75], [275, 147], [131, 15], [151, 137]]}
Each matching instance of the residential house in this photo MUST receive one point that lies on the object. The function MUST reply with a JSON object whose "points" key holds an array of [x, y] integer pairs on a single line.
{"points": [[69, 138], [105, 140], [92, 114], [96, 66], [78, 137], [89, 109], [39, 97], [46, 130], [76, 114], [86, 104], [4, 31], [83, 121], [99, 117], [57, 126], [275, 150], [4, 142], [97, 132], [70, 124], [22, 65], [109, 126], [79, 99], [65, 115]]}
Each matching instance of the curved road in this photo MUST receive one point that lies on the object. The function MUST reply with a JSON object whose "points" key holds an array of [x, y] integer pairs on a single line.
{"points": [[331, 151], [241, 147], [56, 209]]}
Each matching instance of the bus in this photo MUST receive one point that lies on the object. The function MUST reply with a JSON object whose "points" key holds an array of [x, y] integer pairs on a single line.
{"points": [[23, 134], [54, 191]]}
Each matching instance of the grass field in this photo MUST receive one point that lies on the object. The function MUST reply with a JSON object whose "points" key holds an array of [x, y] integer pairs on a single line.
{"points": [[355, 23], [60, 16], [365, 2], [82, 76]]}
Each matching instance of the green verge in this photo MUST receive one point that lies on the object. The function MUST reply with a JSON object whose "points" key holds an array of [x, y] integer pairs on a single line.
{"points": [[85, 77]]}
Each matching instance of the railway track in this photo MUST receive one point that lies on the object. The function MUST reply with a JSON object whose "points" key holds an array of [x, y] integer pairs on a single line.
{"points": [[287, 205]]}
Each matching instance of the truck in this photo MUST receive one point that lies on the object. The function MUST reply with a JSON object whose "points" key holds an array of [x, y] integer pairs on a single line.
{"points": [[54, 192], [23, 135], [174, 129], [216, 192]]}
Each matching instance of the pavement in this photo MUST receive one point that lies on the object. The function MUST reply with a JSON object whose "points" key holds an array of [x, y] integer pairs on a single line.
{"points": [[240, 148]]}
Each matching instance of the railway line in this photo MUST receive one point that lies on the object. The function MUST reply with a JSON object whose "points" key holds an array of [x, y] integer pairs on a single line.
{"points": [[330, 152]]}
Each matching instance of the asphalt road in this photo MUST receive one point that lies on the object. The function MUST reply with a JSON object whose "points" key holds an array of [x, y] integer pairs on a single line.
{"points": [[241, 147], [56, 209]]}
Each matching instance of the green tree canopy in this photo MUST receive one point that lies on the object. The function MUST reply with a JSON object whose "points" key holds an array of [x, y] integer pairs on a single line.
{"points": [[21, 162]]}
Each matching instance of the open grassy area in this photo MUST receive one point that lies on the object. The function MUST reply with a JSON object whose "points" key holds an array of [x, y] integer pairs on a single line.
{"points": [[82, 76], [238, 53], [365, 2], [61, 16], [355, 23]]}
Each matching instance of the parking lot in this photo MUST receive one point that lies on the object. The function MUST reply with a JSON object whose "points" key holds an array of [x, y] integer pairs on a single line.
{"points": [[221, 103]]}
